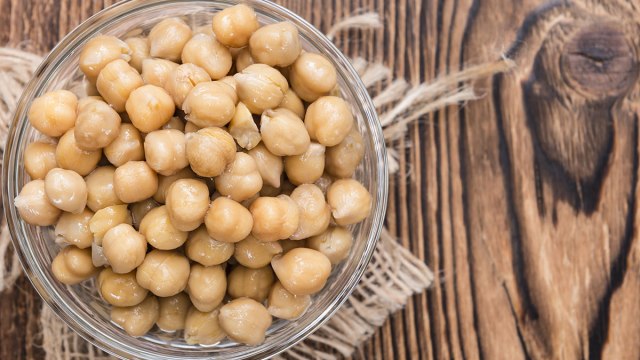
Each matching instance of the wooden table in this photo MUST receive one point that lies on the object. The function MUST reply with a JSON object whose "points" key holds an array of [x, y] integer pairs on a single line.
{"points": [[524, 203]]}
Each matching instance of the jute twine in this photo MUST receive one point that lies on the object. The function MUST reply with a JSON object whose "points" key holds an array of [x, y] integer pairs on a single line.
{"points": [[393, 275]]}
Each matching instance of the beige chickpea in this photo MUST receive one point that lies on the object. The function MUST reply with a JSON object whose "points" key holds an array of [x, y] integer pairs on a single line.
{"points": [[260, 87], [312, 75], [203, 327], [315, 213], [164, 182], [210, 150], [251, 283], [205, 250], [72, 265], [167, 39], [39, 158], [135, 181], [120, 289], [164, 273], [127, 146], [157, 71], [285, 305], [269, 165], [181, 80], [288, 245], [284, 133], [97, 124], [335, 243], [34, 206], [124, 248], [276, 44], [173, 312], [245, 320], [292, 102], [175, 123], [207, 286], [210, 103], [137, 320], [234, 25], [240, 179], [166, 151], [73, 229], [328, 120], [100, 192], [54, 113], [228, 221], [187, 201], [159, 231], [190, 127], [71, 157], [116, 82], [231, 81], [255, 254], [205, 51], [139, 51], [66, 190], [302, 271], [307, 167], [274, 218], [342, 160], [99, 51], [243, 129], [149, 107], [244, 59], [350, 201], [107, 218], [140, 209]]}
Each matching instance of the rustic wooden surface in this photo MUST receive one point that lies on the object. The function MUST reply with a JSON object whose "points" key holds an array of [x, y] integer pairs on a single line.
{"points": [[524, 203]]}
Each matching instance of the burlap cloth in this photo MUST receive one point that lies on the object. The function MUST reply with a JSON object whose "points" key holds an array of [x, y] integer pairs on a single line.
{"points": [[394, 273]]}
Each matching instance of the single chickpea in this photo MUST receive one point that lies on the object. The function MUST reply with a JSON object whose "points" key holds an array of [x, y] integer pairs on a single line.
{"points": [[137, 320], [107, 218], [157, 71], [166, 151], [187, 202], [135, 181], [100, 192], [173, 312], [207, 286], [302, 271], [127, 146], [99, 51], [167, 39], [251, 283], [164, 182], [190, 127], [39, 158], [116, 82], [335, 243], [312, 75], [328, 120], [34, 206], [274, 218], [350, 202], [269, 165], [124, 248], [181, 80], [97, 124], [149, 107], [285, 305], [244, 59], [175, 123], [71, 157], [276, 44], [205, 51], [243, 128], [307, 167], [164, 273], [255, 254], [315, 213], [139, 51], [210, 150], [228, 221], [245, 320], [203, 327], [234, 25], [202, 248], [66, 190], [260, 87], [73, 229], [283, 133], [140, 209], [342, 160], [240, 179], [292, 102], [288, 245], [54, 113], [160, 232], [120, 289], [72, 265], [210, 104]]}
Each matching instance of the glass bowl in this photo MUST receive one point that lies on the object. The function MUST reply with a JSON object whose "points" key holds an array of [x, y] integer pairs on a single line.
{"points": [[78, 305]]}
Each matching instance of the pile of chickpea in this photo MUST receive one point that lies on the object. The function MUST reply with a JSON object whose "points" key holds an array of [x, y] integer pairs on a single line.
{"points": [[209, 185]]}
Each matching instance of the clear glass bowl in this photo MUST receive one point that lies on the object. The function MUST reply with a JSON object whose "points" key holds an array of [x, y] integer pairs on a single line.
{"points": [[78, 305]]}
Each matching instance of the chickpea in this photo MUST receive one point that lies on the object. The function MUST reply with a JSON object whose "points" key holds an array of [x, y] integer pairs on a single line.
{"points": [[175, 123], [100, 192], [260, 87], [73, 229], [99, 51], [335, 243], [210, 104], [203, 327], [187, 202], [157, 71], [244, 59], [140, 209], [165, 151], [269, 165], [255, 254], [124, 248], [328, 120], [190, 127], [343, 159], [302, 271], [159, 231], [71, 157], [312, 75], [202, 248], [307, 167], [66, 190], [207, 286], [120, 289], [288, 245], [167, 39], [251, 283], [315, 214], [274, 218], [228, 221], [39, 158], [107, 218], [184, 78], [97, 124], [285, 305], [139, 51], [283, 133], [234, 25], [173, 312], [350, 202], [34, 206], [210, 150], [137, 320], [149, 107], [243, 129], [54, 113], [276, 44], [134, 181], [231, 81], [245, 320], [164, 273], [116, 82], [127, 146], [72, 265], [164, 182], [205, 51], [240, 179], [292, 102]]}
